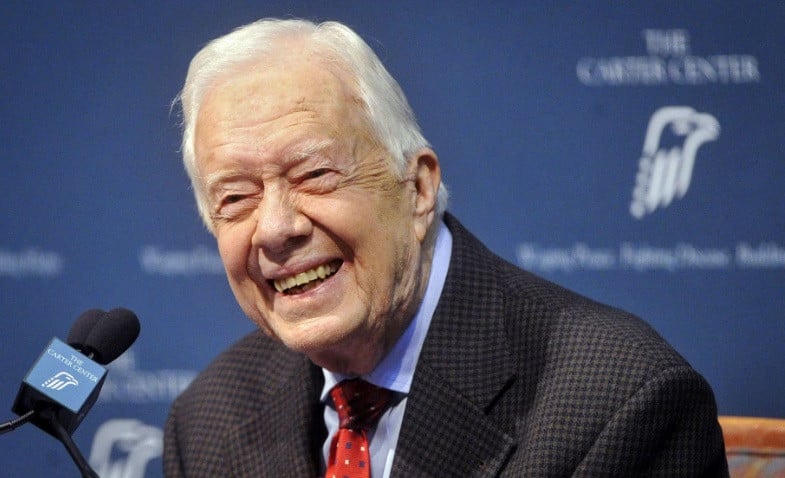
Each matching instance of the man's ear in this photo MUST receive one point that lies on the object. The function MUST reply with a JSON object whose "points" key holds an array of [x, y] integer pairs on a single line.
{"points": [[427, 177]]}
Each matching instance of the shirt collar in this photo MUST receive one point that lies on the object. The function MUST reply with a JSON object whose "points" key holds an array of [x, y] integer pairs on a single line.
{"points": [[396, 371]]}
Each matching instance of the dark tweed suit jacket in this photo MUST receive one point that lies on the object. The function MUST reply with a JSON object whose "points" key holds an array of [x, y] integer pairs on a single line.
{"points": [[517, 377]]}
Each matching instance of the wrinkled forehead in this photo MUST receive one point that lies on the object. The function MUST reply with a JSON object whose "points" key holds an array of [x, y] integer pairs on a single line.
{"points": [[289, 97]]}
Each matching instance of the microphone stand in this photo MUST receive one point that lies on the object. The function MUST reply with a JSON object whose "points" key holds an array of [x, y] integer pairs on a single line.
{"points": [[62, 434]]}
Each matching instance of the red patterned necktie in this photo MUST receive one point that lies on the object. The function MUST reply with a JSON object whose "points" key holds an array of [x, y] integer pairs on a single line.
{"points": [[359, 405]]}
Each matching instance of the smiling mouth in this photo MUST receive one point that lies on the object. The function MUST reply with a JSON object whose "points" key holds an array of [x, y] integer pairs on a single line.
{"points": [[307, 280]]}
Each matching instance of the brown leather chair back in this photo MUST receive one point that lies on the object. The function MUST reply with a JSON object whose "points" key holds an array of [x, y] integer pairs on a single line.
{"points": [[755, 446]]}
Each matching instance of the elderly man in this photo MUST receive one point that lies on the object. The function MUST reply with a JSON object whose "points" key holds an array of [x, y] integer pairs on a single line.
{"points": [[328, 209]]}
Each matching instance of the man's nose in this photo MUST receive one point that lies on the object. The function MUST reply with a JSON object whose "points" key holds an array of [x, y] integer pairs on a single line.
{"points": [[281, 225]]}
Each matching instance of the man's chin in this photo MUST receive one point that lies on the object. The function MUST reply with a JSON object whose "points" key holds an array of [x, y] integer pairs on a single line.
{"points": [[331, 348], [314, 336]]}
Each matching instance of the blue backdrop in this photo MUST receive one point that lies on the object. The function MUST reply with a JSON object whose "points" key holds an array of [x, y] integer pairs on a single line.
{"points": [[634, 153]]}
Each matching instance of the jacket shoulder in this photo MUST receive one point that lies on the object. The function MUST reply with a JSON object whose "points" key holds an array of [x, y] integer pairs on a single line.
{"points": [[220, 398], [235, 381]]}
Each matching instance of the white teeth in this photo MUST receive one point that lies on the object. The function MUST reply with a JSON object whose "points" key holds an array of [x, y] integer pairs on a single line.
{"points": [[303, 278]]}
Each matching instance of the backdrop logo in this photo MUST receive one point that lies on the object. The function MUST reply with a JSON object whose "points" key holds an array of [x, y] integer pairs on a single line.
{"points": [[129, 384], [200, 260], [60, 381], [31, 262], [645, 257], [668, 61], [122, 448], [665, 170]]}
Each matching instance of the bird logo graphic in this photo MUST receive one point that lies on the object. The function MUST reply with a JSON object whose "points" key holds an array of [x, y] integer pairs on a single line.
{"points": [[60, 381], [665, 172], [122, 448]]}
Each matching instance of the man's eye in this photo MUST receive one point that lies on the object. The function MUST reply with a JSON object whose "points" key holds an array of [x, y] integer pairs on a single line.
{"points": [[234, 207], [233, 198], [231, 203], [316, 173]]}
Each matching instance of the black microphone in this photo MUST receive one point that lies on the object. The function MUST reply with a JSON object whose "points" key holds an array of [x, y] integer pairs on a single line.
{"points": [[65, 381]]}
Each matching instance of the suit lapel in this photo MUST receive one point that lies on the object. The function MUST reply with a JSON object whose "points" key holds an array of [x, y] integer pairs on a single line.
{"points": [[463, 369], [285, 437], [444, 434]]}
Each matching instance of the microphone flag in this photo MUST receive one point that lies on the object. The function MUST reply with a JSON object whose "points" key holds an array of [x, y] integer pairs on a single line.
{"points": [[63, 383]]}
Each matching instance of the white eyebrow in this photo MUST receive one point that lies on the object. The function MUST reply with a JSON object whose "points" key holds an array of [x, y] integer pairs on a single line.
{"points": [[211, 180], [306, 149]]}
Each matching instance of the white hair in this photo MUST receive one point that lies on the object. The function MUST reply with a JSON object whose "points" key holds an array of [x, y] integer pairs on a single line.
{"points": [[387, 111]]}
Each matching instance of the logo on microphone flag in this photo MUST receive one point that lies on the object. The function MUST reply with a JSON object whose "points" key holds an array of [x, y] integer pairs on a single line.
{"points": [[60, 381]]}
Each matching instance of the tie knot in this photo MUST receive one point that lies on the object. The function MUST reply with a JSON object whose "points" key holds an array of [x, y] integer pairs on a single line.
{"points": [[359, 404]]}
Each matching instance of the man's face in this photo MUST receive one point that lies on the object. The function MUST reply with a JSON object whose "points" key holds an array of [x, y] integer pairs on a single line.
{"points": [[322, 244]]}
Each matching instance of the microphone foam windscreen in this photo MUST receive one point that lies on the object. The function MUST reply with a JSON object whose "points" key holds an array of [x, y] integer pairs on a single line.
{"points": [[82, 327], [110, 335]]}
